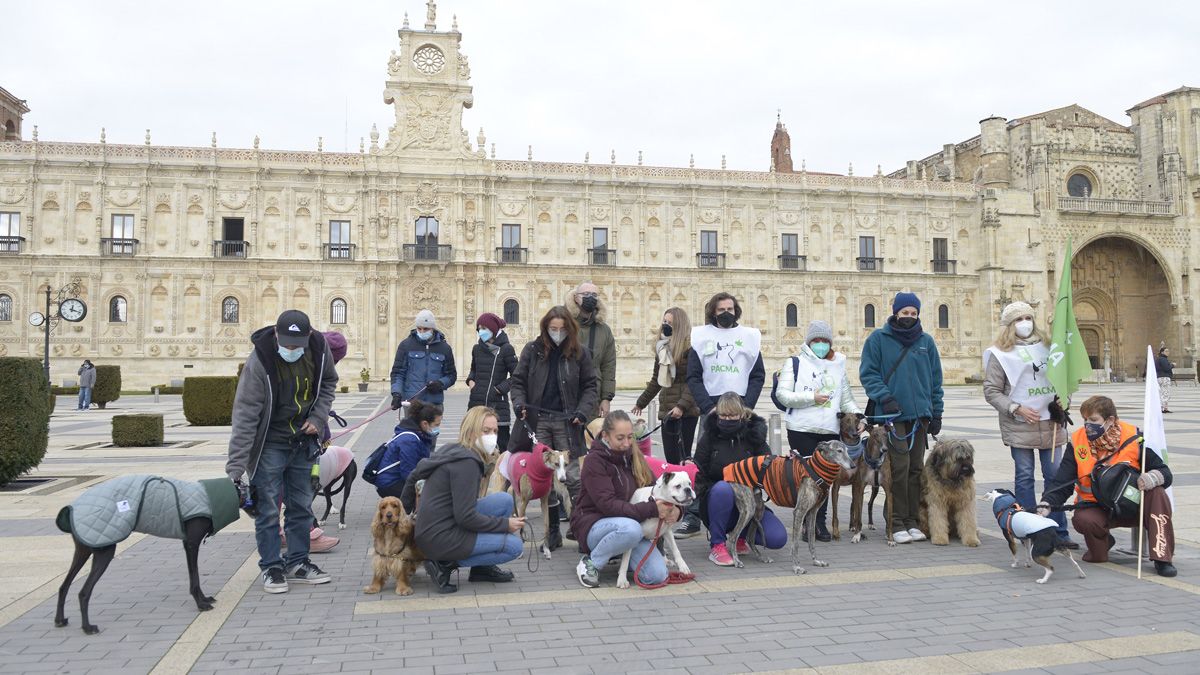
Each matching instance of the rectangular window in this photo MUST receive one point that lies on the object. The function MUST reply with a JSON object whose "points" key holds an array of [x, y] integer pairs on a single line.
{"points": [[941, 248], [600, 238], [510, 236], [233, 229], [339, 232], [708, 241], [122, 226], [866, 247], [791, 244], [10, 224]]}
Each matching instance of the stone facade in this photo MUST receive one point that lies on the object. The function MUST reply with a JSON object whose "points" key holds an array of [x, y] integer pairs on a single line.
{"points": [[184, 252]]}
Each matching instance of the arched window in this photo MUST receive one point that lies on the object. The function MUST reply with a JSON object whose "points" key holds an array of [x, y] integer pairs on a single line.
{"points": [[943, 316], [791, 316], [1079, 185], [337, 311], [512, 312], [118, 310], [869, 316], [6, 308], [230, 310]]}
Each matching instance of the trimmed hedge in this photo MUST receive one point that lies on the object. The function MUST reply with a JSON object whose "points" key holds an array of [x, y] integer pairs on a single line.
{"points": [[108, 385], [25, 424], [164, 389], [142, 430], [65, 391], [208, 401]]}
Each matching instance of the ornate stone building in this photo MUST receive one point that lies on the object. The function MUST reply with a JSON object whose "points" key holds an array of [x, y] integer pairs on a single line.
{"points": [[184, 252]]}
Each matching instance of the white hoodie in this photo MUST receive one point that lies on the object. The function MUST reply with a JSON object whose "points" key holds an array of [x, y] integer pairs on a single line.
{"points": [[798, 392]]}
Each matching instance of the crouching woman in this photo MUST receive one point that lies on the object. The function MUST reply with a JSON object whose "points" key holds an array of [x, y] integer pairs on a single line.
{"points": [[454, 528], [604, 522]]}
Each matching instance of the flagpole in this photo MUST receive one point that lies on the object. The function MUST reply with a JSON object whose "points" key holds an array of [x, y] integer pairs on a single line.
{"points": [[1141, 513]]}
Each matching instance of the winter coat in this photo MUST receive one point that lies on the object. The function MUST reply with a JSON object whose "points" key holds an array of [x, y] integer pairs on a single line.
{"points": [[678, 394], [917, 383], [492, 364], [259, 387], [597, 336], [1014, 431], [804, 415], [410, 446], [418, 362], [87, 377], [606, 486], [715, 450], [1162, 366], [447, 522], [578, 388]]}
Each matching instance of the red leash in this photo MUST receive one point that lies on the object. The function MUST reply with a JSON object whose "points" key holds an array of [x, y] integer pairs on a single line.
{"points": [[674, 577]]}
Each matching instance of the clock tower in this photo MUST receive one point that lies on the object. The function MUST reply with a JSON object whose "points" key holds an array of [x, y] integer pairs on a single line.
{"points": [[429, 86]]}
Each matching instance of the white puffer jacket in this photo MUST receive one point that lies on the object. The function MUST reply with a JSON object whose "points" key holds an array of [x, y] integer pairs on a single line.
{"points": [[798, 392]]}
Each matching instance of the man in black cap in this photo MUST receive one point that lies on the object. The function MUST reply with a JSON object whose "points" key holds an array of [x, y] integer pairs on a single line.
{"points": [[283, 399]]}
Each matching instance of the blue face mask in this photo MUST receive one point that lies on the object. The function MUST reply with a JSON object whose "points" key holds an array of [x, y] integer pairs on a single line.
{"points": [[435, 431], [821, 349], [484, 335], [291, 355], [425, 336]]}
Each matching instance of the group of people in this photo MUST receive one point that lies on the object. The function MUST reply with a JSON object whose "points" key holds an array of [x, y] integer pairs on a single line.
{"points": [[707, 379]]}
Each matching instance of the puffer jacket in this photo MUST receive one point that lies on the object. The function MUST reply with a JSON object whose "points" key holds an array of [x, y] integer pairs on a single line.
{"points": [[577, 385], [607, 485], [716, 450], [1014, 431], [404, 451], [678, 394], [419, 362], [492, 364]]}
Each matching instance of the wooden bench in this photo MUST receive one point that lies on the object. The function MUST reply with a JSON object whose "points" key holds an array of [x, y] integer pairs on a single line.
{"points": [[1184, 374]]}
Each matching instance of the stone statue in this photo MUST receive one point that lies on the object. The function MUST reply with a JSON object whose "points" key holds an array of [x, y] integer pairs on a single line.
{"points": [[381, 309], [430, 15]]}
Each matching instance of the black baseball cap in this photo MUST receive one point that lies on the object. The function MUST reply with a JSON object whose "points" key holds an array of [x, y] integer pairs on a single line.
{"points": [[292, 329]]}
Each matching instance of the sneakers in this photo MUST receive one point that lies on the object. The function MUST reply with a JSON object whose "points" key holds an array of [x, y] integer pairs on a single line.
{"points": [[915, 534], [690, 527], [742, 547], [304, 572], [588, 575], [1165, 569], [490, 573], [902, 537], [319, 542], [720, 557], [273, 580], [1067, 543]]}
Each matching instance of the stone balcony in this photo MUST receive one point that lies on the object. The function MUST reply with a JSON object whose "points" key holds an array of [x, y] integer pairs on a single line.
{"points": [[1133, 207]]}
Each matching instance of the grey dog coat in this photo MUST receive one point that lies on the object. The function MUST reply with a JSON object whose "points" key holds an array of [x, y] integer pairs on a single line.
{"points": [[109, 512]]}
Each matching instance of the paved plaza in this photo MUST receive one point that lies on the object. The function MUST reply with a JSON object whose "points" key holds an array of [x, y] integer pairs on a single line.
{"points": [[915, 608]]}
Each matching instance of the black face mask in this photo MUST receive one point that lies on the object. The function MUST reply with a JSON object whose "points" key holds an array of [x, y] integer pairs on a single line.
{"points": [[726, 319], [730, 427], [666, 330], [906, 322], [588, 304]]}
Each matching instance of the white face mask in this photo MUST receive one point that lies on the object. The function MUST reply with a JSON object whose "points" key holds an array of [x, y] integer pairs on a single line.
{"points": [[489, 442], [1024, 328]]}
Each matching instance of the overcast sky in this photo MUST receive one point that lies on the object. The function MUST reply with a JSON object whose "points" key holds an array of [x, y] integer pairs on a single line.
{"points": [[863, 82]]}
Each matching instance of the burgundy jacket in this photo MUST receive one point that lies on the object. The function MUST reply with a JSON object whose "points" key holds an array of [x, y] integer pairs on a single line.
{"points": [[607, 484]]}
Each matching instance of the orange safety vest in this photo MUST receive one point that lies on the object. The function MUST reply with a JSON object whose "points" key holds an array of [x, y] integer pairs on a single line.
{"points": [[1085, 461]]}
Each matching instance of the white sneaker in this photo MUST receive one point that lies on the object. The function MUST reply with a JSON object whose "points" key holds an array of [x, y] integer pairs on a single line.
{"points": [[917, 535], [902, 537]]}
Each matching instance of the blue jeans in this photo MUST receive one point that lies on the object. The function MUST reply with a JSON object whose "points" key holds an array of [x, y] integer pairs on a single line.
{"points": [[282, 472], [85, 398], [1023, 483], [611, 537], [492, 548], [723, 514]]}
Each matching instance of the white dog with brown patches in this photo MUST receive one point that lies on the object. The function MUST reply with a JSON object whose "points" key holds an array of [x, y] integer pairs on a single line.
{"points": [[675, 488]]}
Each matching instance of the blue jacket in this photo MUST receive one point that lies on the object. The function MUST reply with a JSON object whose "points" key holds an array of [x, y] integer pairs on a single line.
{"points": [[410, 447], [418, 362], [917, 383]]}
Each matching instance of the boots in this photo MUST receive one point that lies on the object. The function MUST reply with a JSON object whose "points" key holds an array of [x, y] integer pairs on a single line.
{"points": [[439, 572], [554, 537]]}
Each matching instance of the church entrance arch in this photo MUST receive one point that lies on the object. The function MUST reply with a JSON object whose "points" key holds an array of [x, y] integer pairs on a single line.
{"points": [[1122, 303]]}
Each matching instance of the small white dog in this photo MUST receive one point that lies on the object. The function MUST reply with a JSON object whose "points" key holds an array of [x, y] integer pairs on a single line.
{"points": [[675, 488]]}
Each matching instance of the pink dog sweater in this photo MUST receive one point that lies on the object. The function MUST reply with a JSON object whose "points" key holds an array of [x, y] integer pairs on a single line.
{"points": [[533, 465], [659, 466]]}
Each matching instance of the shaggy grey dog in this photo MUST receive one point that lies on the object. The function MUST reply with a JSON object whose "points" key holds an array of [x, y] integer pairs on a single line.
{"points": [[948, 493]]}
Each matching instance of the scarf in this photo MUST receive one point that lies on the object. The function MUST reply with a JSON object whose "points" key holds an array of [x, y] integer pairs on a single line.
{"points": [[666, 365], [1108, 443], [906, 336]]}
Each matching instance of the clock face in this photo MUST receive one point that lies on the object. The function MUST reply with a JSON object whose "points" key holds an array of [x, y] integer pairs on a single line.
{"points": [[36, 319], [72, 309]]}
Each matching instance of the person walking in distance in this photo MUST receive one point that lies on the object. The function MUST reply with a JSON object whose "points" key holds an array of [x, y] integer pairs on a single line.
{"points": [[587, 309], [668, 381], [1164, 367]]}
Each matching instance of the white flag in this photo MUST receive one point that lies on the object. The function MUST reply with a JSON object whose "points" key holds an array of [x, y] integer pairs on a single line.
{"points": [[1153, 434]]}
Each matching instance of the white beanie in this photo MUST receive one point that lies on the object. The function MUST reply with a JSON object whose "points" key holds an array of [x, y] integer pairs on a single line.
{"points": [[1013, 311], [425, 319]]}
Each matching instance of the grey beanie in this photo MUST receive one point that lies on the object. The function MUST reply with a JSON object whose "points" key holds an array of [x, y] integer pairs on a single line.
{"points": [[819, 329], [425, 319]]}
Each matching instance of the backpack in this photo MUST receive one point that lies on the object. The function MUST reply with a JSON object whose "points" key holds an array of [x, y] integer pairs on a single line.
{"points": [[371, 469], [775, 383]]}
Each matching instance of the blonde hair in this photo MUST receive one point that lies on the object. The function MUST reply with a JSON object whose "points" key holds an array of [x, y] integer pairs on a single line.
{"points": [[471, 431], [641, 469], [1007, 338], [730, 404], [681, 334]]}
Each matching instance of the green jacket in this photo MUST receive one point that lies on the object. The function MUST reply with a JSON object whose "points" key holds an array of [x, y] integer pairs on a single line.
{"points": [[598, 338]]}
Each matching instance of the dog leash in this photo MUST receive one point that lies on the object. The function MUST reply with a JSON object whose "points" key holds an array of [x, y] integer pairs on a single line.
{"points": [[529, 552], [370, 419], [673, 577]]}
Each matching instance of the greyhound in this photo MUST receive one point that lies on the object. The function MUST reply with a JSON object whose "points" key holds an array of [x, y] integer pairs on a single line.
{"points": [[873, 469]]}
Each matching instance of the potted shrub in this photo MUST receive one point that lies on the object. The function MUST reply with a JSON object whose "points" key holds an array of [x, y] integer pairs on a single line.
{"points": [[365, 376]]}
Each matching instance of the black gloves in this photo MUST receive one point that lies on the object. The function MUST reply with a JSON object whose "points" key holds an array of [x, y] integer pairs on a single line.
{"points": [[579, 418], [890, 406], [1059, 415], [396, 401], [935, 426], [434, 386]]}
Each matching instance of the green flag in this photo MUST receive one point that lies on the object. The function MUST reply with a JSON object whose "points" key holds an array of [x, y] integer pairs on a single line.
{"points": [[1068, 358]]}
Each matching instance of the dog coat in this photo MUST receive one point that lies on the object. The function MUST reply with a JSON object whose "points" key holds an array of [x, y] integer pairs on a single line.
{"points": [[334, 462], [533, 465], [780, 477], [658, 466], [109, 512], [1018, 522]]}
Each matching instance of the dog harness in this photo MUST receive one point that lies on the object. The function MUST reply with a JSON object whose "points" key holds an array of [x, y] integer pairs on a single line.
{"points": [[533, 466], [780, 477], [1017, 521]]}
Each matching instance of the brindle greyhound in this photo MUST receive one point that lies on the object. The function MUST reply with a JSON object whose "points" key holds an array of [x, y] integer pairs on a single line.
{"points": [[873, 469]]}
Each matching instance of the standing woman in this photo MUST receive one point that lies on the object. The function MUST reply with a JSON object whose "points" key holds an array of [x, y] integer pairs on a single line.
{"points": [[1164, 368], [814, 387], [87, 380], [493, 360], [1015, 384], [676, 408], [554, 393]]}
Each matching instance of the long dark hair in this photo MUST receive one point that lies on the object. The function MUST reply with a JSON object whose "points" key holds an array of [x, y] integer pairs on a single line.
{"points": [[570, 346], [423, 411]]}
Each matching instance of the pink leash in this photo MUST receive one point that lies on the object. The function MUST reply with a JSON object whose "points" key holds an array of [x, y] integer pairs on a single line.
{"points": [[370, 419]]}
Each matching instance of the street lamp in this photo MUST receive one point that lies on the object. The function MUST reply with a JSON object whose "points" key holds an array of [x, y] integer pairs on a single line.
{"points": [[68, 306]]}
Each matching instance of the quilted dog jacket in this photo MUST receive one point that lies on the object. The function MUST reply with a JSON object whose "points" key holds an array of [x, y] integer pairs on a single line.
{"points": [[109, 512]]}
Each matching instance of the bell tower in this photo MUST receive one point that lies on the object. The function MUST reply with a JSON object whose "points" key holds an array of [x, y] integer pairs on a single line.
{"points": [[428, 84], [781, 147]]}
